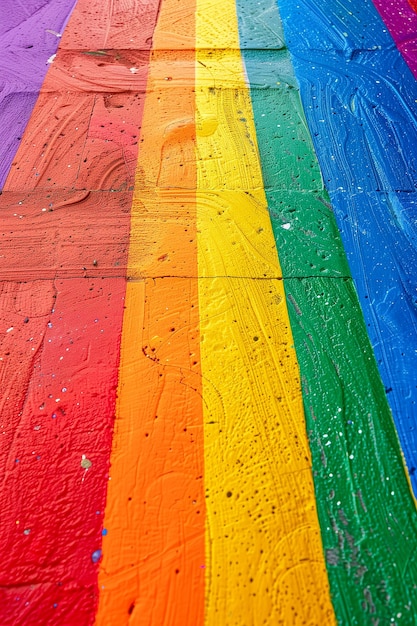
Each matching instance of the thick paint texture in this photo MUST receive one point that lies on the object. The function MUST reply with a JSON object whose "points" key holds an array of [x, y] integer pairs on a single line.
{"points": [[400, 16], [153, 568], [29, 36], [369, 111], [89, 139], [196, 430], [264, 558], [51, 528], [63, 263], [345, 404]]}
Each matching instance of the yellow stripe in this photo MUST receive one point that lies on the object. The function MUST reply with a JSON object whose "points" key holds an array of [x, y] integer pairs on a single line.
{"points": [[264, 555]]}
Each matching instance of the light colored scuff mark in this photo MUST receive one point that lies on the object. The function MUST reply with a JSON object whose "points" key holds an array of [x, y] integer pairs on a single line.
{"points": [[85, 464]]}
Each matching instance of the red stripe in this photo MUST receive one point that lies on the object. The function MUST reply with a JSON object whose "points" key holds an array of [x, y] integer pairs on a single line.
{"points": [[64, 257], [61, 407]]}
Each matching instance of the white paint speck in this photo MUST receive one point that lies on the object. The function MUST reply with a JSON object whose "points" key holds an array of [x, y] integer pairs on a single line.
{"points": [[53, 32]]}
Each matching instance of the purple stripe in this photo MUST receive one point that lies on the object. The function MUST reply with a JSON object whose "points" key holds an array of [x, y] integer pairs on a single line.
{"points": [[401, 21], [29, 36]]}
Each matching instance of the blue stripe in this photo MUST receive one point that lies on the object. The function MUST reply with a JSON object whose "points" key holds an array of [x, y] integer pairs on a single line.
{"points": [[360, 101]]}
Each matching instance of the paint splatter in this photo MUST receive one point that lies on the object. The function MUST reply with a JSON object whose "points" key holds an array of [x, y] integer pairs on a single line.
{"points": [[186, 367]]}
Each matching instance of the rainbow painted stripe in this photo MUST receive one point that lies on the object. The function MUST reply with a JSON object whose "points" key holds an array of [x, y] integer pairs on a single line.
{"points": [[187, 314]]}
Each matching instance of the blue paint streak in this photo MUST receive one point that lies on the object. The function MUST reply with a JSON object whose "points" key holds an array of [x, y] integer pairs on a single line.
{"points": [[343, 25], [360, 100]]}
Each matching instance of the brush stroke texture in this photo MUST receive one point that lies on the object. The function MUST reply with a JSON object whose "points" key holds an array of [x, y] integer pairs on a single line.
{"points": [[63, 261], [29, 35], [265, 563], [360, 100], [400, 16], [363, 498], [153, 568]]}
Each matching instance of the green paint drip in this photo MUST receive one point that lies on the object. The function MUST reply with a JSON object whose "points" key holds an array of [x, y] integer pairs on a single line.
{"points": [[367, 514]]}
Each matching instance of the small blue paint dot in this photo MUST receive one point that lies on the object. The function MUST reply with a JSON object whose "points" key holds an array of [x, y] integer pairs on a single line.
{"points": [[17, 461], [55, 605], [96, 556], [104, 532], [53, 416]]}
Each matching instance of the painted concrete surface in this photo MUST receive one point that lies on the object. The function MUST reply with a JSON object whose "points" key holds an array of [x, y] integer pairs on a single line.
{"points": [[208, 313]]}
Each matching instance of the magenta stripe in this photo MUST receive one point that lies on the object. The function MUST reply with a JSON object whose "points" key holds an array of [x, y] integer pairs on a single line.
{"points": [[401, 21]]}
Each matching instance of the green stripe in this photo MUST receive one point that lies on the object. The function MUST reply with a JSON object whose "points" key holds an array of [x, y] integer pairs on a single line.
{"points": [[366, 511]]}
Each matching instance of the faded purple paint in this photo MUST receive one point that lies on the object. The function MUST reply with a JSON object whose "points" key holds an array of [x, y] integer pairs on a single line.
{"points": [[26, 44], [401, 20]]}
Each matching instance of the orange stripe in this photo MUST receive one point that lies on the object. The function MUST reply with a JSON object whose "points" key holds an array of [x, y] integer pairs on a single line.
{"points": [[153, 555]]}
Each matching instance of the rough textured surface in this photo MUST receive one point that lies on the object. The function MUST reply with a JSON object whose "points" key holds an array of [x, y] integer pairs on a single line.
{"points": [[63, 264], [197, 409], [400, 16], [346, 409], [54, 472], [365, 133], [195, 427], [154, 561], [29, 36], [265, 562]]}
